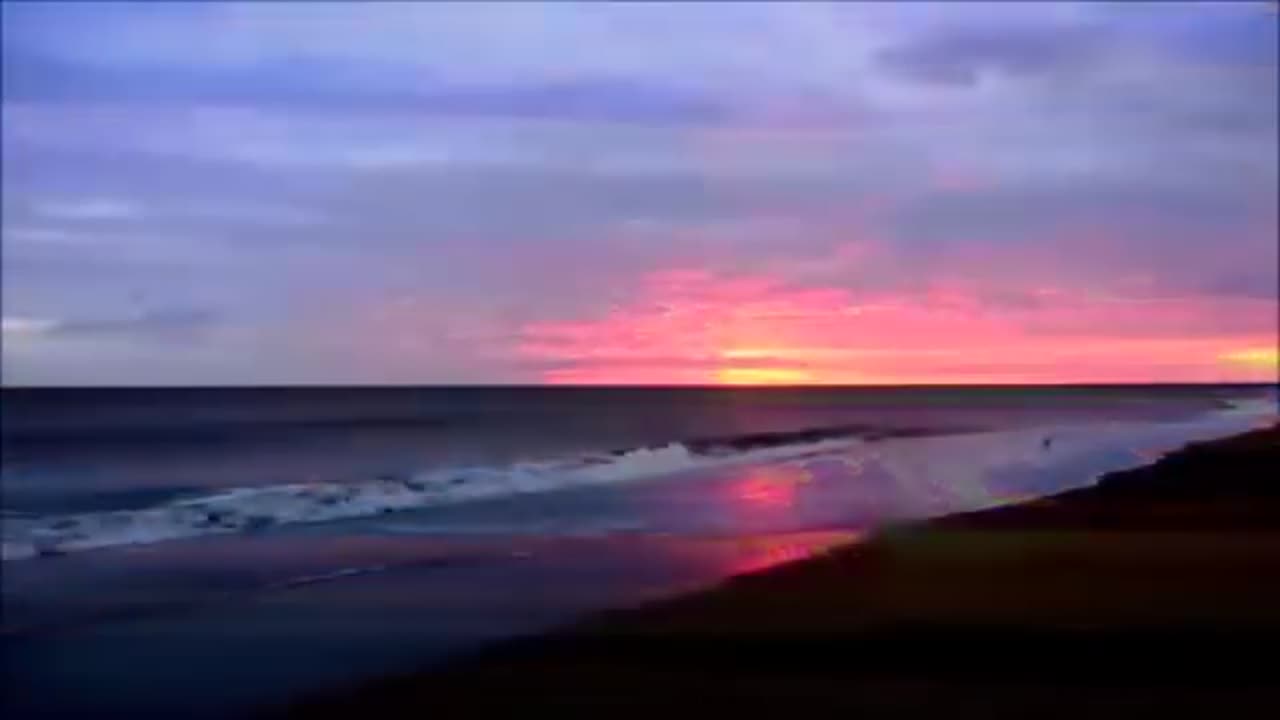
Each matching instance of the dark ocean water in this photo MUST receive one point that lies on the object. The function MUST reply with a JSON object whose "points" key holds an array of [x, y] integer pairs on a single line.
{"points": [[77, 450]]}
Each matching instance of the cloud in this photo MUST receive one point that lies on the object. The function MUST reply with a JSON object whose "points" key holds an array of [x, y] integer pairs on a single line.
{"points": [[41, 235], [24, 326], [518, 172], [527, 44], [1070, 43], [89, 209], [327, 85], [962, 56], [694, 326], [173, 323]]}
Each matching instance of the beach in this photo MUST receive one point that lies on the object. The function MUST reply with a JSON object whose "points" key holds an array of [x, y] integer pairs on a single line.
{"points": [[279, 546], [1154, 591]]}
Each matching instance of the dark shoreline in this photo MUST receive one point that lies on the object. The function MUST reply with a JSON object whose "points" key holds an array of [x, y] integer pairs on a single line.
{"points": [[1155, 591]]}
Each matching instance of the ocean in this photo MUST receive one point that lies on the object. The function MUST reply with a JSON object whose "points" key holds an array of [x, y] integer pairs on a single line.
{"points": [[215, 551]]}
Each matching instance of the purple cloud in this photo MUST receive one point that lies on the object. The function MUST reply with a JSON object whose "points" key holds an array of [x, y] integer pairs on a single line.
{"points": [[401, 190]]}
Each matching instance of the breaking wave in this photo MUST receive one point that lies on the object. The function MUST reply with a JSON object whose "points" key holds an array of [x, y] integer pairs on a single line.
{"points": [[251, 509], [255, 508]]}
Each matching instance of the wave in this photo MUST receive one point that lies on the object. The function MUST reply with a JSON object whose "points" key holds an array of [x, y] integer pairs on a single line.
{"points": [[755, 441], [252, 509], [942, 460]]}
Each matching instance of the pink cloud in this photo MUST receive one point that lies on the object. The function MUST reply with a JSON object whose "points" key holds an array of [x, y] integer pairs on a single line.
{"points": [[701, 327]]}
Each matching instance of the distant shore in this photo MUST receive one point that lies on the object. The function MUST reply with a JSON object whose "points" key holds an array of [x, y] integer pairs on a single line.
{"points": [[1155, 590]]}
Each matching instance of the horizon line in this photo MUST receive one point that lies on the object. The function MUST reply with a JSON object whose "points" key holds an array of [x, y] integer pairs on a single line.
{"points": [[646, 386]]}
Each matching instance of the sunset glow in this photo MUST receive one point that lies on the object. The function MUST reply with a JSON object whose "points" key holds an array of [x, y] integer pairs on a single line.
{"points": [[762, 376], [1264, 358], [639, 193], [697, 327]]}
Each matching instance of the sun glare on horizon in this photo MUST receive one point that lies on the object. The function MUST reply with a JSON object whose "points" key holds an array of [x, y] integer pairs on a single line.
{"points": [[762, 376]]}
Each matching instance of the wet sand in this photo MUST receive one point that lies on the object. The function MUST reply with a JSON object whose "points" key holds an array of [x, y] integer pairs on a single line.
{"points": [[1155, 592]]}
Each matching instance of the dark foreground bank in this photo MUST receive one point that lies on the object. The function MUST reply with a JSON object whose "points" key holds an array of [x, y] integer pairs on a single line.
{"points": [[1155, 592]]}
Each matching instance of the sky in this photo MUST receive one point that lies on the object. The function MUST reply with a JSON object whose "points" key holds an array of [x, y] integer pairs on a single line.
{"points": [[281, 193]]}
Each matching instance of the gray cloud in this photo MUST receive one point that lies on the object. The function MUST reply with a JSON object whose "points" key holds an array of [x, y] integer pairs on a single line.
{"points": [[960, 56], [1261, 283], [321, 84], [172, 324]]}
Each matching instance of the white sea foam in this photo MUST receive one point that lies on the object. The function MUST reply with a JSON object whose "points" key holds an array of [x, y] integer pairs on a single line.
{"points": [[255, 508], [939, 465]]}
